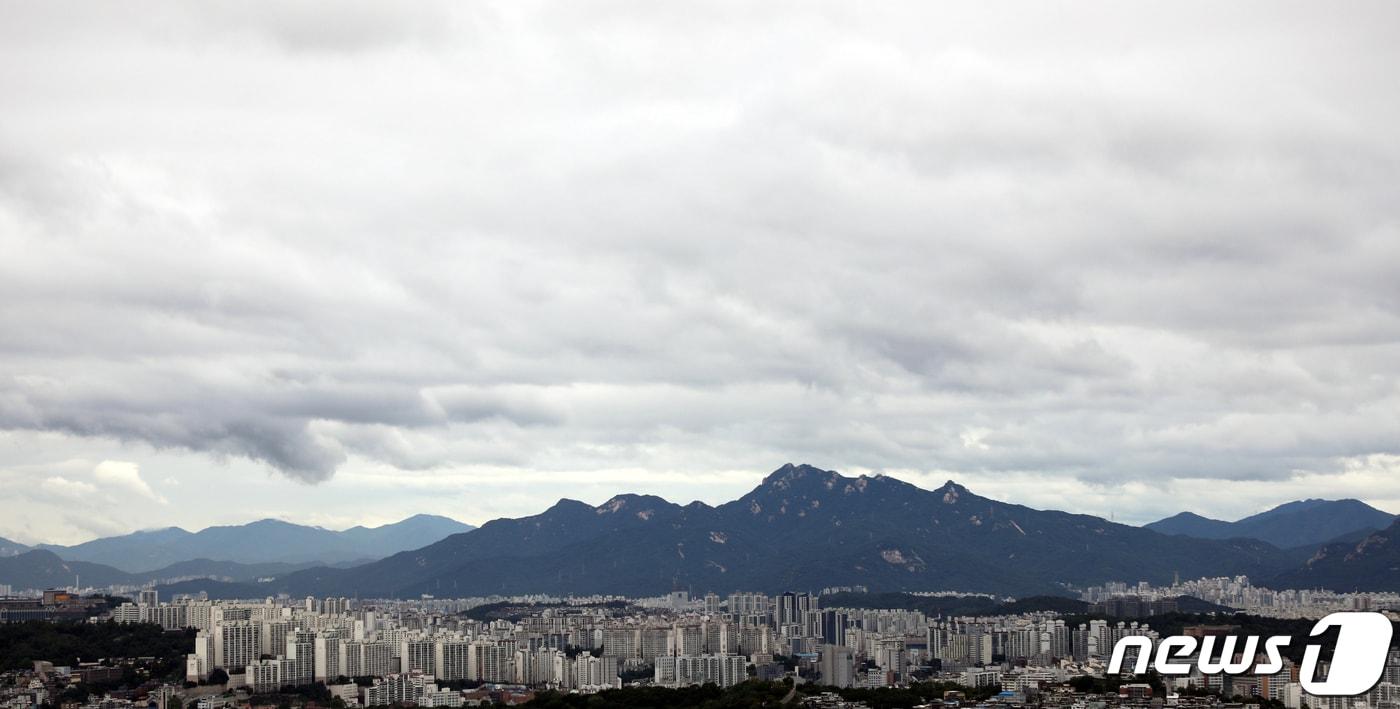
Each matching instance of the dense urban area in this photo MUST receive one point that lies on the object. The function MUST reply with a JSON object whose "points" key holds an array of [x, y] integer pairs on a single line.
{"points": [[839, 647]]}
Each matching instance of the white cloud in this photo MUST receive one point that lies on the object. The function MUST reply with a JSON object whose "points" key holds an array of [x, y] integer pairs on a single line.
{"points": [[63, 487], [124, 475]]}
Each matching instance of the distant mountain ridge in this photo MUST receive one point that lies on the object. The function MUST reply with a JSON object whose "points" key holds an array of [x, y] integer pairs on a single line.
{"points": [[1372, 564], [802, 527], [1193, 525], [261, 542], [41, 568], [1302, 523], [10, 548]]}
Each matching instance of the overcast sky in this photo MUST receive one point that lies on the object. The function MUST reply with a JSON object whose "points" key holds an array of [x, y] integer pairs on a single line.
{"points": [[348, 262]]}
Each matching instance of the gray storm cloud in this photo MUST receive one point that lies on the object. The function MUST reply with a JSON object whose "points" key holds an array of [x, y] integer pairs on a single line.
{"points": [[1066, 240]]}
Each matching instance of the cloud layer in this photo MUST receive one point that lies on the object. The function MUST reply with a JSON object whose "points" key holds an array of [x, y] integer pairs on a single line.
{"points": [[1063, 242]]}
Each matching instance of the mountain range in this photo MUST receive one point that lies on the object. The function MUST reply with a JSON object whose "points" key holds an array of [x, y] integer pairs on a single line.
{"points": [[1371, 564], [41, 568], [260, 542], [1304, 523], [9, 548], [236, 553], [801, 528]]}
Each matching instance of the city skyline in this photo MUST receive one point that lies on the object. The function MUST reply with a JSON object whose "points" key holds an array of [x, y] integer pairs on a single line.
{"points": [[445, 652], [466, 260]]}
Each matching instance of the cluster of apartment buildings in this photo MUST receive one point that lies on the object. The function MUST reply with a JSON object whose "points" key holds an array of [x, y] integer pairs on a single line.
{"points": [[425, 652], [1237, 592], [410, 650]]}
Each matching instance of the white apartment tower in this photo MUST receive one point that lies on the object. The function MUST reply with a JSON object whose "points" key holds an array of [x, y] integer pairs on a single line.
{"points": [[236, 643]]}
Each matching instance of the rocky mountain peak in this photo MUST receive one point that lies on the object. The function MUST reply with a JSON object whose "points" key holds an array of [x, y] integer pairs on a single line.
{"points": [[951, 492]]}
